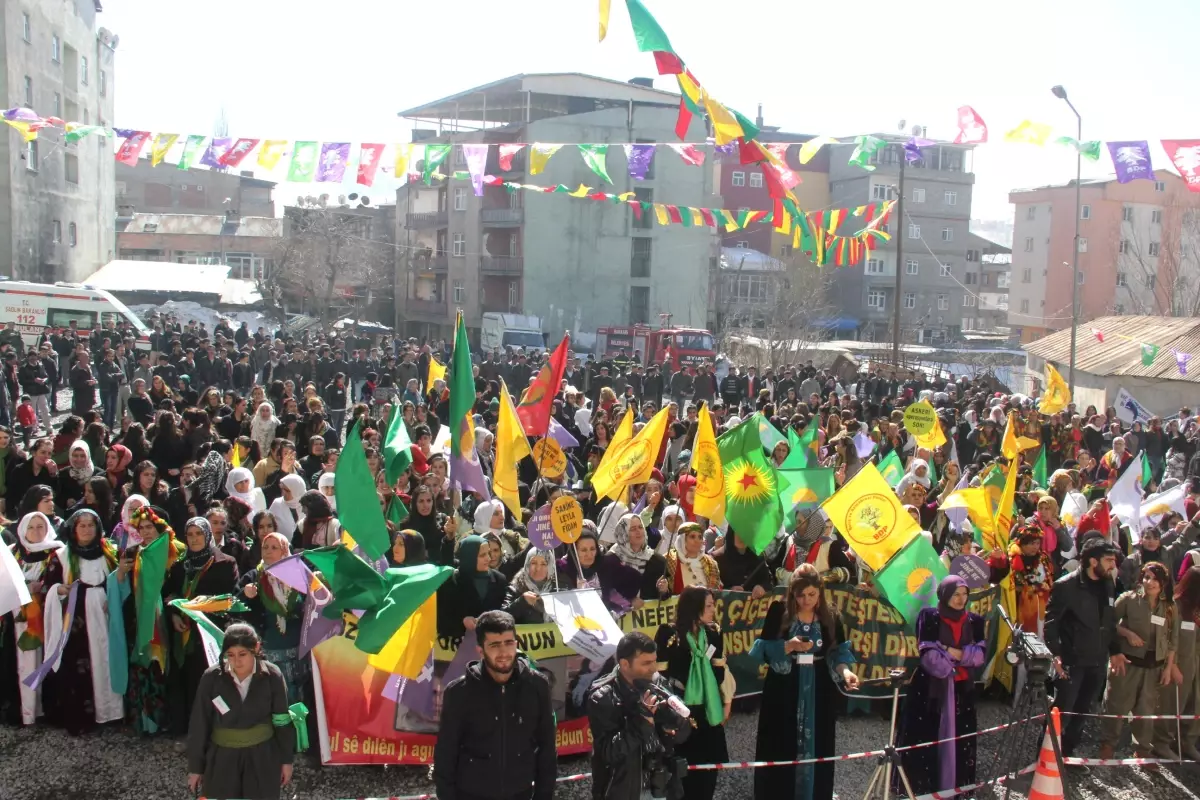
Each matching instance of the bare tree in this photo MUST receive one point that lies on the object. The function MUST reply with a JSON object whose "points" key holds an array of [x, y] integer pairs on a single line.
{"points": [[1158, 267]]}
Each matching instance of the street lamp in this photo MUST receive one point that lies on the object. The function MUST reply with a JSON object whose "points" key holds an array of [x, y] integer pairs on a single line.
{"points": [[1061, 94]]}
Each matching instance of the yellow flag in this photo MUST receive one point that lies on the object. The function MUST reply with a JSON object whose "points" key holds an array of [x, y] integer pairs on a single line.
{"points": [[660, 211], [623, 434], [710, 476], [1057, 396], [236, 460], [406, 652], [539, 154], [270, 152], [436, 372], [403, 155], [726, 128], [934, 439], [511, 447], [630, 462], [1012, 444], [812, 146], [162, 143], [582, 191], [870, 517], [1028, 133], [605, 8], [1004, 510], [979, 509]]}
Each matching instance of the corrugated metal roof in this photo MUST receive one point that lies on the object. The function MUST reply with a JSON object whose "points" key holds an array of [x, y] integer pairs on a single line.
{"points": [[1121, 353]]}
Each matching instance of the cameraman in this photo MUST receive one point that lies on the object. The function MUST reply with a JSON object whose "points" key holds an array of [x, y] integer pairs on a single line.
{"points": [[635, 728]]}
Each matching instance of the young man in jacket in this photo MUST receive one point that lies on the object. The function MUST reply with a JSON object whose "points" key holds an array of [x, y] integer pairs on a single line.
{"points": [[496, 740]]}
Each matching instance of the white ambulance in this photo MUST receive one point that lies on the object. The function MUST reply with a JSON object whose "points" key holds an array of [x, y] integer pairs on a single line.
{"points": [[39, 307]]}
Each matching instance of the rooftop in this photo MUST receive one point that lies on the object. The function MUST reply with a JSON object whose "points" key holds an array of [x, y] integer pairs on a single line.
{"points": [[204, 224], [1120, 353], [141, 277], [1086, 182], [745, 259]]}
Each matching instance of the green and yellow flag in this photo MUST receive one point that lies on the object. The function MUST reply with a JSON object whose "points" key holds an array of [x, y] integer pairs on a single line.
{"points": [[752, 504], [891, 469], [910, 579], [804, 489]]}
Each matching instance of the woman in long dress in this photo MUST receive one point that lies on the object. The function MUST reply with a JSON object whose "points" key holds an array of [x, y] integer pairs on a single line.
{"points": [[79, 693], [806, 655], [275, 609], [37, 546]]}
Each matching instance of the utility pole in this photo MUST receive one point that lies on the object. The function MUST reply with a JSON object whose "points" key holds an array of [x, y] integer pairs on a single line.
{"points": [[899, 261]]}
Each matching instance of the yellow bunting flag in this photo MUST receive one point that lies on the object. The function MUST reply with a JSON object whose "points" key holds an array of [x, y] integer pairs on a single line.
{"points": [[660, 212], [605, 8], [437, 372], [407, 651], [1028, 133], [539, 154], [1057, 396], [582, 191], [270, 152], [632, 461], [710, 476], [726, 128], [511, 447], [869, 516], [162, 143], [813, 146], [1012, 444]]}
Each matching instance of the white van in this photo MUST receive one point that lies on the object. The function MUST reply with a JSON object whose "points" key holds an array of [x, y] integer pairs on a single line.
{"points": [[38, 307]]}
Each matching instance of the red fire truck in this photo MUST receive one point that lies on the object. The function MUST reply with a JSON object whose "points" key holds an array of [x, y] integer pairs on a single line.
{"points": [[680, 347]]}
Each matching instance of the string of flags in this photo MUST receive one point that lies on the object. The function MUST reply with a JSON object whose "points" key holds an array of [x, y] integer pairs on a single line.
{"points": [[1149, 351]]}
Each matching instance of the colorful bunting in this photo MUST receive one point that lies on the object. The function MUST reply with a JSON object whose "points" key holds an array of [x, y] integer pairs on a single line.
{"points": [[507, 151], [912, 148], [1131, 160], [688, 152], [476, 157], [605, 10], [1028, 133], [75, 131], [1149, 352], [539, 154], [1181, 361], [1185, 155], [639, 157], [594, 155], [131, 148], [369, 156], [435, 154], [234, 156], [1089, 150], [648, 34], [865, 147], [332, 166], [812, 146], [217, 147], [162, 143], [971, 127], [304, 162], [191, 149]]}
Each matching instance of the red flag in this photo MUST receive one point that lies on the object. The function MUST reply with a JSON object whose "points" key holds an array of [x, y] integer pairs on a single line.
{"points": [[131, 148], [673, 213], [241, 148], [368, 162], [1185, 155], [667, 63], [538, 400], [688, 152], [507, 151], [1099, 334], [637, 209], [971, 127], [683, 121], [750, 152], [707, 216]]}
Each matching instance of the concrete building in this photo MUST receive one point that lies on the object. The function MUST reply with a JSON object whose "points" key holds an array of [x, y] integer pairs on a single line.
{"points": [[57, 199], [745, 284], [575, 263], [1137, 252], [167, 190], [246, 244], [987, 273], [932, 239]]}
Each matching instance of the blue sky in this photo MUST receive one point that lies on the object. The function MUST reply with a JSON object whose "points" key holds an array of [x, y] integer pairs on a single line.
{"points": [[303, 69]]}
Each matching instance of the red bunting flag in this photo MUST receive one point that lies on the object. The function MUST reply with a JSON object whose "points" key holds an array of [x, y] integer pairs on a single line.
{"points": [[131, 148], [673, 212], [234, 156], [1099, 334], [708, 217], [368, 162], [1185, 155], [507, 151], [688, 152], [971, 127]]}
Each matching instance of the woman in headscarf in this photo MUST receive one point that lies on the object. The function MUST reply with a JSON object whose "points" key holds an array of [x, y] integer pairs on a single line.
{"points": [[580, 567], [125, 532], [276, 611], [535, 578], [36, 555], [116, 466], [407, 550], [813, 543], [318, 526], [79, 471], [38, 497], [638, 573], [1033, 574], [436, 528], [483, 449], [473, 589], [239, 483], [204, 571], [286, 508], [489, 518], [686, 489], [688, 564], [941, 698], [694, 654], [79, 692], [806, 653], [263, 426], [662, 536]]}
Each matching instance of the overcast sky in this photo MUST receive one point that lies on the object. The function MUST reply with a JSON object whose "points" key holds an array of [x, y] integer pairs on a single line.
{"points": [[303, 69]]}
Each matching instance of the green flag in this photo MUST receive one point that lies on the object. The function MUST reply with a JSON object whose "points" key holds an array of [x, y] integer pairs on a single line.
{"points": [[304, 162], [397, 455], [435, 154], [1149, 351], [466, 472], [769, 434], [891, 469], [1147, 471], [152, 574], [594, 156], [802, 489], [192, 149], [1039, 469], [865, 147], [648, 34], [802, 453], [933, 473], [357, 500], [910, 579], [397, 512], [751, 486]]}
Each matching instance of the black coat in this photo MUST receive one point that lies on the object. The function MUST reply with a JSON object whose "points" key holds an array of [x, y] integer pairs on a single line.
{"points": [[1081, 626], [457, 599], [496, 740]]}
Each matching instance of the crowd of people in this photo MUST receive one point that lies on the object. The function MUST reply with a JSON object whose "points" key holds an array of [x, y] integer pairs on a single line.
{"points": [[226, 444]]}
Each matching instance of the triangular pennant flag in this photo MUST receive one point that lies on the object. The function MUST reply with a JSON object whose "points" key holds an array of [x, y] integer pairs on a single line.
{"points": [[594, 156]]}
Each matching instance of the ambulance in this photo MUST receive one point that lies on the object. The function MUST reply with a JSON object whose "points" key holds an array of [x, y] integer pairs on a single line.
{"points": [[43, 307]]}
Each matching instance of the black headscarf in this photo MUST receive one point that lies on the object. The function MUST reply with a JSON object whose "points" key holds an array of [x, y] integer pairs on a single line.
{"points": [[414, 549], [195, 560], [88, 552]]}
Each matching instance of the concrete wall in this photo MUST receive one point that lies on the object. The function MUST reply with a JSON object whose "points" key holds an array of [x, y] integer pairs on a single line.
{"points": [[165, 189], [34, 197]]}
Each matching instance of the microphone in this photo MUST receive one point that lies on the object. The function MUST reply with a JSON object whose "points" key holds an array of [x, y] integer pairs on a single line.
{"points": [[674, 703]]}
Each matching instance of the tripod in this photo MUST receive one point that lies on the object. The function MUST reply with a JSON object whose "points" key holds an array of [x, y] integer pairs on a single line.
{"points": [[882, 777]]}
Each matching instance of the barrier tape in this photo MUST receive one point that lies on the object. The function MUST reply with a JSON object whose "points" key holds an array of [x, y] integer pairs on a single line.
{"points": [[946, 795], [1117, 762], [1128, 717]]}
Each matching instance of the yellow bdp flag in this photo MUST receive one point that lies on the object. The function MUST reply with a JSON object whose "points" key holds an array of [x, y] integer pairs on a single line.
{"points": [[407, 651], [631, 462], [710, 476], [1057, 395], [1004, 510], [868, 514], [622, 435], [1012, 445], [437, 372], [511, 447], [979, 510]]}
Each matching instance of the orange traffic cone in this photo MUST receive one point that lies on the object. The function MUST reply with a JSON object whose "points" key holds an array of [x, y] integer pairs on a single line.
{"points": [[1047, 782]]}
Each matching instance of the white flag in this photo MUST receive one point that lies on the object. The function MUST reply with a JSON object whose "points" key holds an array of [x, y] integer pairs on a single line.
{"points": [[586, 625], [1125, 498], [13, 591], [1156, 506]]}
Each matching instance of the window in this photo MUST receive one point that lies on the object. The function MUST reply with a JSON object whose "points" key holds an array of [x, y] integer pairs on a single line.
{"points": [[26, 28], [918, 195], [639, 304], [914, 231], [1028, 244], [83, 70], [970, 278], [1027, 275], [103, 83], [1031, 212], [460, 293], [743, 245], [1156, 217], [1079, 280], [945, 270], [950, 198], [785, 250], [910, 300], [55, 49], [28, 91], [1083, 244], [968, 323], [1160, 186], [1121, 281], [1127, 213], [71, 167], [56, 231], [1085, 212], [880, 191], [31, 156], [874, 266], [460, 198], [514, 294], [72, 235], [973, 255], [1003, 280], [1024, 306], [911, 266], [739, 179], [1154, 248], [747, 288], [875, 298], [756, 180], [645, 197], [1123, 246], [639, 259], [943, 302], [57, 104], [947, 234], [459, 245], [969, 301], [1151, 281]]}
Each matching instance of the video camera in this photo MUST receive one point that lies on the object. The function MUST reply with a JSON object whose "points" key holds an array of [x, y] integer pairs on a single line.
{"points": [[1027, 648]]}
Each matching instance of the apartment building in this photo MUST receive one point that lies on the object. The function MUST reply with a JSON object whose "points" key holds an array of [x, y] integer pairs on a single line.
{"points": [[987, 273], [1137, 252], [167, 190], [57, 199], [575, 263]]}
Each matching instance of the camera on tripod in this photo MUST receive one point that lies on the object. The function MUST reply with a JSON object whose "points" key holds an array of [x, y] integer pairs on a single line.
{"points": [[1028, 648]]}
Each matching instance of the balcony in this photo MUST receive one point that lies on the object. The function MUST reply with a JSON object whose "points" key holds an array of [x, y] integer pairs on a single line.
{"points": [[425, 310], [503, 216], [502, 265], [423, 262], [431, 219]]}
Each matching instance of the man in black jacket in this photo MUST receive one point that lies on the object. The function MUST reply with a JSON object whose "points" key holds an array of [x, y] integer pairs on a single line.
{"points": [[36, 383], [634, 731], [496, 740], [1081, 632]]}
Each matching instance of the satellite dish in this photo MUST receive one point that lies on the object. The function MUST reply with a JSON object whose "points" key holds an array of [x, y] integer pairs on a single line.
{"points": [[916, 130], [364, 201], [353, 196], [300, 200], [323, 200], [341, 199]]}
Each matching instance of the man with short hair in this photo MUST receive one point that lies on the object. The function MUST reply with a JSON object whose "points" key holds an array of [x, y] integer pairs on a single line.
{"points": [[496, 737]]}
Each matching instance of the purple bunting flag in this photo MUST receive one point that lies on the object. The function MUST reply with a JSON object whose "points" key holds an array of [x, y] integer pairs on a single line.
{"points": [[1181, 361], [417, 695], [912, 149], [1131, 161], [316, 627], [217, 147], [331, 168], [561, 435], [123, 133], [639, 157], [292, 572], [22, 114], [476, 158]]}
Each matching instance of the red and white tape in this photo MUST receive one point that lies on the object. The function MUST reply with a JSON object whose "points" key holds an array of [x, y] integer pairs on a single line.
{"points": [[1128, 717]]}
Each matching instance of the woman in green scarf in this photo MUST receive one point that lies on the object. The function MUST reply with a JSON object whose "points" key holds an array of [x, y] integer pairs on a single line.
{"points": [[692, 660]]}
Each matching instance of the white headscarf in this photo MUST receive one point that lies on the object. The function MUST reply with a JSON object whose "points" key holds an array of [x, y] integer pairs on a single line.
{"points": [[286, 513], [622, 549], [84, 473], [483, 517], [49, 543], [328, 479], [263, 430], [693, 565], [236, 476], [295, 485]]}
